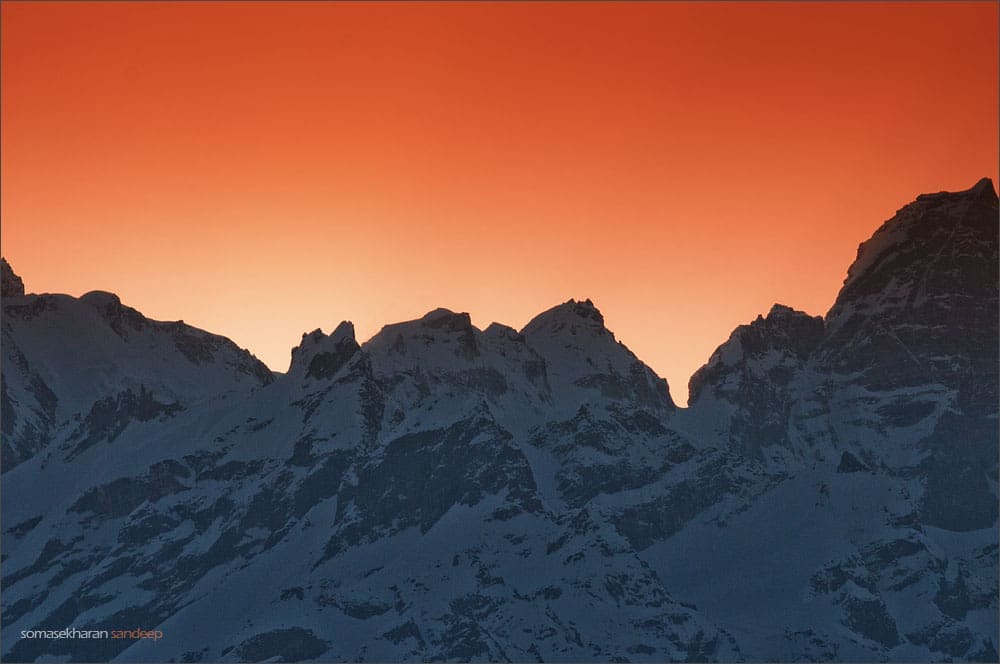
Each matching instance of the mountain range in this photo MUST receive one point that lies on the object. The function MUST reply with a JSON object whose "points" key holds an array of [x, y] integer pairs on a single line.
{"points": [[441, 492]]}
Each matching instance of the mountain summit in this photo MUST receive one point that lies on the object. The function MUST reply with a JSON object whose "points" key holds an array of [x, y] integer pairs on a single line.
{"points": [[920, 300], [12, 284]]}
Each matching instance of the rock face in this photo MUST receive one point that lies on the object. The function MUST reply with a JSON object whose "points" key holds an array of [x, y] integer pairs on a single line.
{"points": [[445, 492], [919, 303], [12, 284]]}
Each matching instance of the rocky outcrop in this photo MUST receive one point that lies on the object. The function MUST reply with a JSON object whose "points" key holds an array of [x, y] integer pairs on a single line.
{"points": [[12, 284]]}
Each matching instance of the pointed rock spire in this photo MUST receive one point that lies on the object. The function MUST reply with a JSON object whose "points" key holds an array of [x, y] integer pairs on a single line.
{"points": [[320, 355], [13, 286]]}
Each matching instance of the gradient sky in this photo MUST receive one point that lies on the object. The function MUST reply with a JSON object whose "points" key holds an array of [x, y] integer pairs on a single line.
{"points": [[261, 170]]}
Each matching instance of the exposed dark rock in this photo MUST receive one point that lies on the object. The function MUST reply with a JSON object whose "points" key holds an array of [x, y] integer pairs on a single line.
{"points": [[658, 519], [326, 365], [108, 417], [122, 319], [293, 644], [121, 496], [962, 459], [422, 475], [850, 464], [407, 630], [12, 284], [870, 619], [21, 529]]}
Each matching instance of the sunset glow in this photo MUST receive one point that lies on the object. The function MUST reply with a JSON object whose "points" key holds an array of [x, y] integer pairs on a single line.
{"points": [[261, 170]]}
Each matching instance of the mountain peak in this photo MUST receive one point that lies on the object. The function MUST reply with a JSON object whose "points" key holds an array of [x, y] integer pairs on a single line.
{"points": [[13, 286], [585, 309], [500, 330], [441, 333], [982, 189], [924, 285], [781, 311], [345, 330], [447, 319], [584, 359], [786, 337], [316, 344], [984, 186], [571, 312], [916, 233], [787, 319], [100, 299]]}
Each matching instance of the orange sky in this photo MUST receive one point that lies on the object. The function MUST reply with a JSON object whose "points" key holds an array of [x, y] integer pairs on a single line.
{"points": [[261, 170]]}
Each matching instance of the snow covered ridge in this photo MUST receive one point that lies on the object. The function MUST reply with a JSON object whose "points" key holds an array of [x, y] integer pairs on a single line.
{"points": [[80, 369], [445, 492]]}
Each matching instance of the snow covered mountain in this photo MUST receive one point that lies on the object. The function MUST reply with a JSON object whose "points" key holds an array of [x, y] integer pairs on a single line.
{"points": [[78, 370], [445, 492]]}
